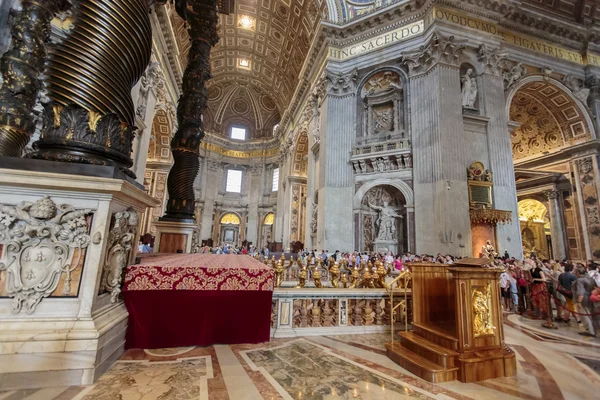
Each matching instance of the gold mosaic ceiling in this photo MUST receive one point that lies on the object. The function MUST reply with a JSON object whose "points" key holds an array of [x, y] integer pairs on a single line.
{"points": [[549, 120]]}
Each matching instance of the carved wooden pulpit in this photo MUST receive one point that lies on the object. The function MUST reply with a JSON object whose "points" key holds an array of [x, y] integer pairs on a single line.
{"points": [[457, 324]]}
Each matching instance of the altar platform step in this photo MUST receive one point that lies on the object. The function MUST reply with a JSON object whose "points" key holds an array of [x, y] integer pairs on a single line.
{"points": [[420, 366], [428, 350]]}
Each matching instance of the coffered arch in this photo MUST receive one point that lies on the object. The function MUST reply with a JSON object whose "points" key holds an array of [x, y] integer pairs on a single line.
{"points": [[549, 118]]}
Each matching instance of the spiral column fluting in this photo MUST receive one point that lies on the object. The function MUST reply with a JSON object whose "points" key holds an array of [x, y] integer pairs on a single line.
{"points": [[21, 67], [91, 116], [201, 17]]}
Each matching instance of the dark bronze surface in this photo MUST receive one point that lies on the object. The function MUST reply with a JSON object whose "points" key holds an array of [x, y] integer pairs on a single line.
{"points": [[21, 66], [57, 167], [91, 116], [201, 17]]}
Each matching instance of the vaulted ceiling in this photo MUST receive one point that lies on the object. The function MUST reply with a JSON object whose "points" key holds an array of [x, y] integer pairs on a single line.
{"points": [[235, 104], [264, 43]]}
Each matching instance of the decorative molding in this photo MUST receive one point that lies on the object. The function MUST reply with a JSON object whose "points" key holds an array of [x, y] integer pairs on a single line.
{"points": [[491, 59], [339, 84], [576, 86], [437, 50], [40, 242], [121, 239], [512, 74]]}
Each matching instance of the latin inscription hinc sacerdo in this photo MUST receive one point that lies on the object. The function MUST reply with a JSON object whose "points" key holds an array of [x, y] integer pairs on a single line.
{"points": [[378, 42], [439, 14]]}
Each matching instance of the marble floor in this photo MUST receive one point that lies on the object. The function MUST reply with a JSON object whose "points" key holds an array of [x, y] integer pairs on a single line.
{"points": [[552, 365]]}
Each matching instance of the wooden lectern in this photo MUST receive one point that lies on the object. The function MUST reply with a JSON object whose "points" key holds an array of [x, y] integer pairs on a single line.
{"points": [[457, 324]]}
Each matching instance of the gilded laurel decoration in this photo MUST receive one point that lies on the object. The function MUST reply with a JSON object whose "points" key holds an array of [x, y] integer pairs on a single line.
{"points": [[42, 241], [21, 67], [490, 216], [482, 315]]}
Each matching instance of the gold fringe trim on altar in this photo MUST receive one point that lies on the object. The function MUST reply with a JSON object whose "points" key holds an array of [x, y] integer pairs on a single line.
{"points": [[490, 216]]}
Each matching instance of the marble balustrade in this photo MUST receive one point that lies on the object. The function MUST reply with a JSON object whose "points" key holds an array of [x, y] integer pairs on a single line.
{"points": [[329, 311]]}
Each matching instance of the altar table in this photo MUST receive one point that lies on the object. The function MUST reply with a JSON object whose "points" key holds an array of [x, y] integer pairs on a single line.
{"points": [[197, 300]]}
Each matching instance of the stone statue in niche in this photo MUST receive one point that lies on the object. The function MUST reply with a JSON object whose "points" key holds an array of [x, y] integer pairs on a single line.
{"points": [[386, 221], [469, 90], [380, 164], [42, 241], [121, 240]]}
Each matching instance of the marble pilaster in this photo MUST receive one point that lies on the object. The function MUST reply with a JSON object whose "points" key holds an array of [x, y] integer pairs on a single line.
{"points": [[337, 135], [501, 163], [556, 224], [439, 162]]}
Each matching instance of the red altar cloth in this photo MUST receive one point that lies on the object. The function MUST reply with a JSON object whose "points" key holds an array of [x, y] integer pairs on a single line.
{"points": [[197, 300]]}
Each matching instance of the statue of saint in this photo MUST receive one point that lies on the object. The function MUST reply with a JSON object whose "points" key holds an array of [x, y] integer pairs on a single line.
{"points": [[469, 89], [489, 251], [385, 223]]}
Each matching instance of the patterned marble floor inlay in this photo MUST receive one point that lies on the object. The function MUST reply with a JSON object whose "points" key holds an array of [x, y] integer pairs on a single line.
{"points": [[184, 379], [304, 370]]}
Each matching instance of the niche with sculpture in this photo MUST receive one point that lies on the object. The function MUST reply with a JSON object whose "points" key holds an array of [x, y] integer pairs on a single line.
{"points": [[468, 88], [382, 106], [382, 220]]}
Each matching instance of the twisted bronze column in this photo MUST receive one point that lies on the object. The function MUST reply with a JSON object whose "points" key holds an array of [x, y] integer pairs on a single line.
{"points": [[21, 66], [201, 17], [91, 117]]}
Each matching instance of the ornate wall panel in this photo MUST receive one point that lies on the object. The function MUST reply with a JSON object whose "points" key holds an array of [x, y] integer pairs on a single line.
{"points": [[589, 194], [160, 141], [43, 251], [300, 162], [298, 217]]}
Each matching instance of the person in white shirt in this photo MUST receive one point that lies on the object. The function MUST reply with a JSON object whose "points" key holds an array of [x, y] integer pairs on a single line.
{"points": [[389, 258], [593, 272], [505, 286]]}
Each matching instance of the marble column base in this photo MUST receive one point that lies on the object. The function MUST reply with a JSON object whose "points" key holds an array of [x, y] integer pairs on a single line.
{"points": [[173, 237], [72, 337], [60, 352]]}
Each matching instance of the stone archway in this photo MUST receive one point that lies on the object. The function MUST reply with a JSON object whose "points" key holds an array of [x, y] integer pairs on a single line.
{"points": [[548, 121], [158, 163], [229, 229], [548, 118], [535, 228], [381, 220]]}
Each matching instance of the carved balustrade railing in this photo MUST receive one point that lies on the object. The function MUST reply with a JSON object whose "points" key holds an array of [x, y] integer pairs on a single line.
{"points": [[298, 312], [393, 153]]}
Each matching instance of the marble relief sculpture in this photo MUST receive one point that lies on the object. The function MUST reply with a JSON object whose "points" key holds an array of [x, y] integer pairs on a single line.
{"points": [[386, 221], [511, 76], [42, 241], [469, 89], [121, 240]]}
